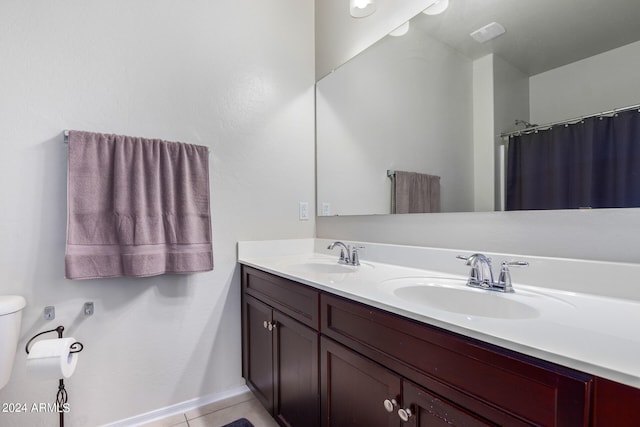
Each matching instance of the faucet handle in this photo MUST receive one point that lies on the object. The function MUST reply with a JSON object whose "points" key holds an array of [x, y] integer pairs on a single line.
{"points": [[504, 279], [516, 263], [355, 255]]}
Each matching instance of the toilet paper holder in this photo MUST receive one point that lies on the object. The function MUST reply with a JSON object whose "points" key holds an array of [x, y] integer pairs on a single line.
{"points": [[76, 347], [61, 396]]}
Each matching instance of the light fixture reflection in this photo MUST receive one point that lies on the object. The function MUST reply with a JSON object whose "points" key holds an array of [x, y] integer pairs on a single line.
{"points": [[401, 30], [362, 8], [437, 7]]}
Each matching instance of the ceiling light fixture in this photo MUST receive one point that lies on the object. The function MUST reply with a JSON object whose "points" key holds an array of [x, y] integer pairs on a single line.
{"points": [[401, 30], [362, 8], [436, 7]]}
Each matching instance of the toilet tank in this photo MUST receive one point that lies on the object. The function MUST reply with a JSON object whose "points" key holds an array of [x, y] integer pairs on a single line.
{"points": [[10, 318]]}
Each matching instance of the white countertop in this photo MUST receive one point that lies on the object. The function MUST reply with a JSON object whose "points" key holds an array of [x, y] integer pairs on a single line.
{"points": [[597, 334]]}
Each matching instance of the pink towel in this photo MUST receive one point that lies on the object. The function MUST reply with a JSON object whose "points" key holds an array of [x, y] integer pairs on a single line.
{"points": [[416, 192], [136, 207]]}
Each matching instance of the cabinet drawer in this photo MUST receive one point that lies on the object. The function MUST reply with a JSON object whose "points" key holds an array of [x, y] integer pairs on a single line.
{"points": [[477, 375], [294, 299]]}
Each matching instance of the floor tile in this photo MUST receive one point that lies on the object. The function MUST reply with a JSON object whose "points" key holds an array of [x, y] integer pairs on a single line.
{"points": [[177, 420], [252, 410], [216, 406]]}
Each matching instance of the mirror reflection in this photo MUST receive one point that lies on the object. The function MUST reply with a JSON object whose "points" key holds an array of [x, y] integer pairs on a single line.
{"points": [[434, 102]]}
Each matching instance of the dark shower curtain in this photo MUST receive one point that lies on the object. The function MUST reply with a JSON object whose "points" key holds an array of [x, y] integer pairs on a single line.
{"points": [[591, 164]]}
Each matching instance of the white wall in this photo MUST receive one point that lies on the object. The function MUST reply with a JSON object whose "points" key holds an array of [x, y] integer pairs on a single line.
{"points": [[403, 104], [602, 234], [483, 134], [236, 75], [340, 37], [600, 83]]}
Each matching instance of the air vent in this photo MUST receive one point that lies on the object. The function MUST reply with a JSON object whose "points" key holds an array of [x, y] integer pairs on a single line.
{"points": [[488, 32]]}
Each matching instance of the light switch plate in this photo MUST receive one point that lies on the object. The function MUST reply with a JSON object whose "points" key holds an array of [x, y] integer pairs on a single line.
{"points": [[303, 211], [326, 209]]}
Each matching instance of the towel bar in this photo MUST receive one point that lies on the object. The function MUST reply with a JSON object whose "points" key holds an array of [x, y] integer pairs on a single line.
{"points": [[66, 138]]}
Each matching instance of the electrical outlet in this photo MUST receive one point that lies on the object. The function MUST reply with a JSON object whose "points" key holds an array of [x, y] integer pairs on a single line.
{"points": [[303, 211]]}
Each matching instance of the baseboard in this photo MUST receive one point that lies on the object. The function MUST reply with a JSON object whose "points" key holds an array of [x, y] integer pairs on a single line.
{"points": [[178, 408]]}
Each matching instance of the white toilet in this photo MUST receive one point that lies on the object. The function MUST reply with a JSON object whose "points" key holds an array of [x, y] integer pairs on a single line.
{"points": [[10, 317]]}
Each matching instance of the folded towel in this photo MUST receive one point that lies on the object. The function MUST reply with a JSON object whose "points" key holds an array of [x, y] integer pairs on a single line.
{"points": [[136, 207], [416, 192]]}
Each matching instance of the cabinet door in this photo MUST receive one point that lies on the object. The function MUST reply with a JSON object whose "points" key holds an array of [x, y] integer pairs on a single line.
{"points": [[296, 373], [425, 409], [615, 404], [258, 350], [354, 389]]}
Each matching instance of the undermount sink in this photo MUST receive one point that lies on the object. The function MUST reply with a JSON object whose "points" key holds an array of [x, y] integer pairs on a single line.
{"points": [[452, 295]]}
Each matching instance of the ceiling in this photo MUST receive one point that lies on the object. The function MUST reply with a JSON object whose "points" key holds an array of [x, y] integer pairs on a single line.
{"points": [[540, 34]]}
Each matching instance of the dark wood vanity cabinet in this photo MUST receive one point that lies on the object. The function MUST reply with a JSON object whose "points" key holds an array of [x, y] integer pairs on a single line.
{"points": [[359, 392], [280, 347], [445, 374], [313, 358], [615, 404]]}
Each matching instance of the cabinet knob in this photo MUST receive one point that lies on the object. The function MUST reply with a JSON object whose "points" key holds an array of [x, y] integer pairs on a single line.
{"points": [[404, 414], [390, 405], [269, 325]]}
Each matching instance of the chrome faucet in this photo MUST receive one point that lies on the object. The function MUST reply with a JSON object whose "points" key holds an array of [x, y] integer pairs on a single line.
{"points": [[481, 274], [347, 255]]}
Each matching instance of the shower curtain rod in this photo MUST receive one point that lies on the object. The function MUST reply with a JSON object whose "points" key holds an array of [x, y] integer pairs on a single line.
{"points": [[562, 122]]}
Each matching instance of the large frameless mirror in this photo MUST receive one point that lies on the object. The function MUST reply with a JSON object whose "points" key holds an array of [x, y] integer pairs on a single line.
{"points": [[435, 101]]}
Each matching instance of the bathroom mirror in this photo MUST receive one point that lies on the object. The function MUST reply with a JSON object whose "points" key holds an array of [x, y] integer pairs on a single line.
{"points": [[435, 100]]}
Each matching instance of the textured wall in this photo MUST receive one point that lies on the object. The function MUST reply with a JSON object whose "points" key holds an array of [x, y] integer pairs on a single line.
{"points": [[235, 75]]}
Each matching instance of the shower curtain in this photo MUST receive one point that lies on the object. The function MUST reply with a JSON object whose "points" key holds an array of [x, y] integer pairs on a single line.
{"points": [[594, 163]]}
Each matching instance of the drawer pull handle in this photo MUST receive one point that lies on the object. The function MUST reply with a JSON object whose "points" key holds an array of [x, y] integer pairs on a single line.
{"points": [[404, 414], [390, 405]]}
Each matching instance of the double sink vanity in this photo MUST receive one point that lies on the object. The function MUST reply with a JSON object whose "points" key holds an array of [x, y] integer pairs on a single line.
{"points": [[400, 339]]}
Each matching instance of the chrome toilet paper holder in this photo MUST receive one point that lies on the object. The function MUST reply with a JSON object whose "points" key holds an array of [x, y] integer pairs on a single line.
{"points": [[61, 397]]}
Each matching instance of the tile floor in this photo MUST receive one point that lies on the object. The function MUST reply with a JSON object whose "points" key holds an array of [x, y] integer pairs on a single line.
{"points": [[221, 413]]}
